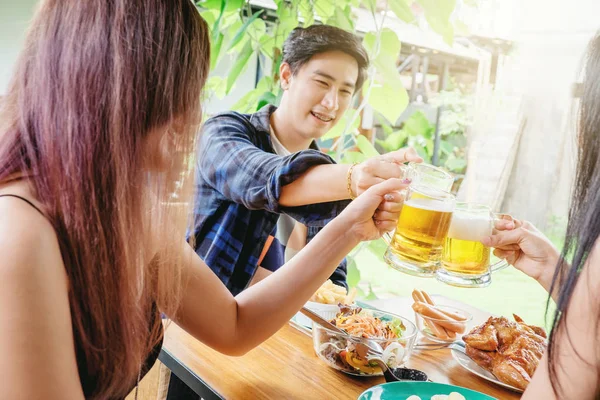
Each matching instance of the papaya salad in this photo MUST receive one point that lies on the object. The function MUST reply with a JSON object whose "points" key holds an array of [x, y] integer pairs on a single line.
{"points": [[376, 329]]}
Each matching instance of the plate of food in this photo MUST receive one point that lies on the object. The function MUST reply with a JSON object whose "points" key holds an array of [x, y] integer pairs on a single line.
{"points": [[421, 391], [503, 352], [392, 337]]}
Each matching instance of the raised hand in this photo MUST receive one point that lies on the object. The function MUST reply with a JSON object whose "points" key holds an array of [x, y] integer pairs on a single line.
{"points": [[377, 169], [527, 249], [376, 211]]}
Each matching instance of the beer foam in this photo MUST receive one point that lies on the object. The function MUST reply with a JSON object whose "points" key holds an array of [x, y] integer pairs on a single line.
{"points": [[430, 204], [465, 226]]}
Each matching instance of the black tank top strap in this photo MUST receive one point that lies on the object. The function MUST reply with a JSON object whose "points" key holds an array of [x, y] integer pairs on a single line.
{"points": [[25, 200]]}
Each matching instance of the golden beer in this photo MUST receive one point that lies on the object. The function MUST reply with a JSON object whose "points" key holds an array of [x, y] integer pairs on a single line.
{"points": [[421, 229], [465, 256], [463, 251]]}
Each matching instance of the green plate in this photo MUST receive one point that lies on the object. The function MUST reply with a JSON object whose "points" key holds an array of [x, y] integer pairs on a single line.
{"points": [[402, 390]]}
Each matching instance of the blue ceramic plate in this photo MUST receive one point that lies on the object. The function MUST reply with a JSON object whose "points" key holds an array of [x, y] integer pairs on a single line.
{"points": [[402, 390]]}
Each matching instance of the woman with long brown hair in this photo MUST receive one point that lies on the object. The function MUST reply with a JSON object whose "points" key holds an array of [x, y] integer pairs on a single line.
{"points": [[96, 145]]}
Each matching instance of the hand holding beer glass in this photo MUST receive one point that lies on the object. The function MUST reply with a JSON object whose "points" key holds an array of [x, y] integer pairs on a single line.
{"points": [[465, 260], [416, 247]]}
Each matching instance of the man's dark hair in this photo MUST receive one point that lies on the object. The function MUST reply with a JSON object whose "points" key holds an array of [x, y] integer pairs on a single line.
{"points": [[304, 43]]}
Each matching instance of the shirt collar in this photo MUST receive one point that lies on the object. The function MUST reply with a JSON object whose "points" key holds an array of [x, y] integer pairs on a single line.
{"points": [[261, 120]]}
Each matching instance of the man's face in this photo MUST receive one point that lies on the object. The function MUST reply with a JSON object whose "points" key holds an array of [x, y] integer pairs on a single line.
{"points": [[320, 92]]}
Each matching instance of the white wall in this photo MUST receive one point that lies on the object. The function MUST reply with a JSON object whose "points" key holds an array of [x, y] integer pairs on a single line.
{"points": [[14, 20]]}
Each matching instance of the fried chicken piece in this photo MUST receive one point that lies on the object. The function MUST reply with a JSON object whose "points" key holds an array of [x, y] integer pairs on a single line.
{"points": [[538, 330], [484, 337], [484, 359], [510, 350], [512, 373]]}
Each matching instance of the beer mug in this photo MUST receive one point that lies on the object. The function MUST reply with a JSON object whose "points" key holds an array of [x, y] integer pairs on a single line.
{"points": [[416, 245], [429, 175], [465, 260]]}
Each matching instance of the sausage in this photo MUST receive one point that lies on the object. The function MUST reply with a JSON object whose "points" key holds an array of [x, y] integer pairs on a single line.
{"points": [[442, 320]]}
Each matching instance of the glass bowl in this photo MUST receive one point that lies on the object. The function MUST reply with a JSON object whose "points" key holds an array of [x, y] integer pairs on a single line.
{"points": [[425, 323], [339, 350]]}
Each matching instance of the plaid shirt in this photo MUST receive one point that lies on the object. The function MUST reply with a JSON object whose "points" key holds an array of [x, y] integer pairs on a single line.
{"points": [[238, 184]]}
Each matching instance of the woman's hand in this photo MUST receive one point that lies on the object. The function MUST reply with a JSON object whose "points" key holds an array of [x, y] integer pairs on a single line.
{"points": [[377, 169], [527, 249], [375, 211]]}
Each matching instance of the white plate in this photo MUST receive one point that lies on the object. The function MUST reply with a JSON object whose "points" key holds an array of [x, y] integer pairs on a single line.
{"points": [[470, 365]]}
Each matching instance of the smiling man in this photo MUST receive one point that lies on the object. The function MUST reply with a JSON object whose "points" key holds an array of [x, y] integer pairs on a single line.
{"points": [[263, 187]]}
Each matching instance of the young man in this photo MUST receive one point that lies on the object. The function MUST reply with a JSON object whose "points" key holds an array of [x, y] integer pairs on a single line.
{"points": [[263, 187]]}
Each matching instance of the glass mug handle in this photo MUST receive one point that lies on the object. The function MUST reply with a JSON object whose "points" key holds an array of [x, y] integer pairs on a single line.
{"points": [[388, 237], [501, 264]]}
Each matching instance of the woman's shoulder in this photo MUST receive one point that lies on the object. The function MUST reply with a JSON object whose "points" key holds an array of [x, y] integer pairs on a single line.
{"points": [[27, 237]]}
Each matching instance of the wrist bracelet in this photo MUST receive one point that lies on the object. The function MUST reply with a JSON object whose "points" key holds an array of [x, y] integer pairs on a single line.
{"points": [[349, 181]]}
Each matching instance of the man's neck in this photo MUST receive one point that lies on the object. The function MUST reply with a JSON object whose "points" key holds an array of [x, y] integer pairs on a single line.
{"points": [[286, 133]]}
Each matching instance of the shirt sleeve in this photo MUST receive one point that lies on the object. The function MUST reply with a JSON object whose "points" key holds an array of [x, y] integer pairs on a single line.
{"points": [[231, 161]]}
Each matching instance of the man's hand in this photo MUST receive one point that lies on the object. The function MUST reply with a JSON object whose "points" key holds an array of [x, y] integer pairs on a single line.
{"points": [[378, 169]]}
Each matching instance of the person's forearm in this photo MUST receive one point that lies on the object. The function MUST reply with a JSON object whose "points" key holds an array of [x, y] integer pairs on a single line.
{"points": [[319, 184], [273, 301]]}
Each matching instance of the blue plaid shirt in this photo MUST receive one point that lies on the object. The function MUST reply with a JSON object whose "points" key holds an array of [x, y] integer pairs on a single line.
{"points": [[238, 184]]}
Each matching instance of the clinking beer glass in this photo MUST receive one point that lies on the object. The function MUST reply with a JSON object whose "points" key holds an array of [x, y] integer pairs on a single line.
{"points": [[416, 247], [465, 260]]}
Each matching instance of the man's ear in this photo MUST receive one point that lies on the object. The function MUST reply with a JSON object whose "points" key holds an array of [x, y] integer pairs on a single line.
{"points": [[285, 75]]}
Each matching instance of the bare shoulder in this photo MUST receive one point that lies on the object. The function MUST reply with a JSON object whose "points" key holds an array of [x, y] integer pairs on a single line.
{"points": [[26, 239], [36, 338]]}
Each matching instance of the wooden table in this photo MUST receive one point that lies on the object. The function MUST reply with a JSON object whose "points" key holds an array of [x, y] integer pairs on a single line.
{"points": [[286, 367]]}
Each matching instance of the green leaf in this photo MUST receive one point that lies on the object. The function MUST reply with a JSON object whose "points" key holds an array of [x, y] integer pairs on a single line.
{"points": [[456, 164], [421, 152], [307, 12], [288, 20], [239, 65], [417, 124], [234, 5], [389, 100], [437, 14], [210, 4], [325, 8], [341, 20], [247, 102], [267, 45], [396, 140], [216, 26], [216, 85], [215, 50], [210, 16], [350, 157], [387, 128], [353, 274], [402, 10], [446, 148], [255, 32], [264, 99], [371, 295], [240, 33], [365, 146], [339, 128]]}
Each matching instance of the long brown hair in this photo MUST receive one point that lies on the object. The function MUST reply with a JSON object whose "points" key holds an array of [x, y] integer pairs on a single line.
{"points": [[94, 81]]}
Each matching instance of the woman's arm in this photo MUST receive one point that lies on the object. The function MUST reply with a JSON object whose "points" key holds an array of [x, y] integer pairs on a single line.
{"points": [[36, 340], [577, 358], [236, 325]]}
